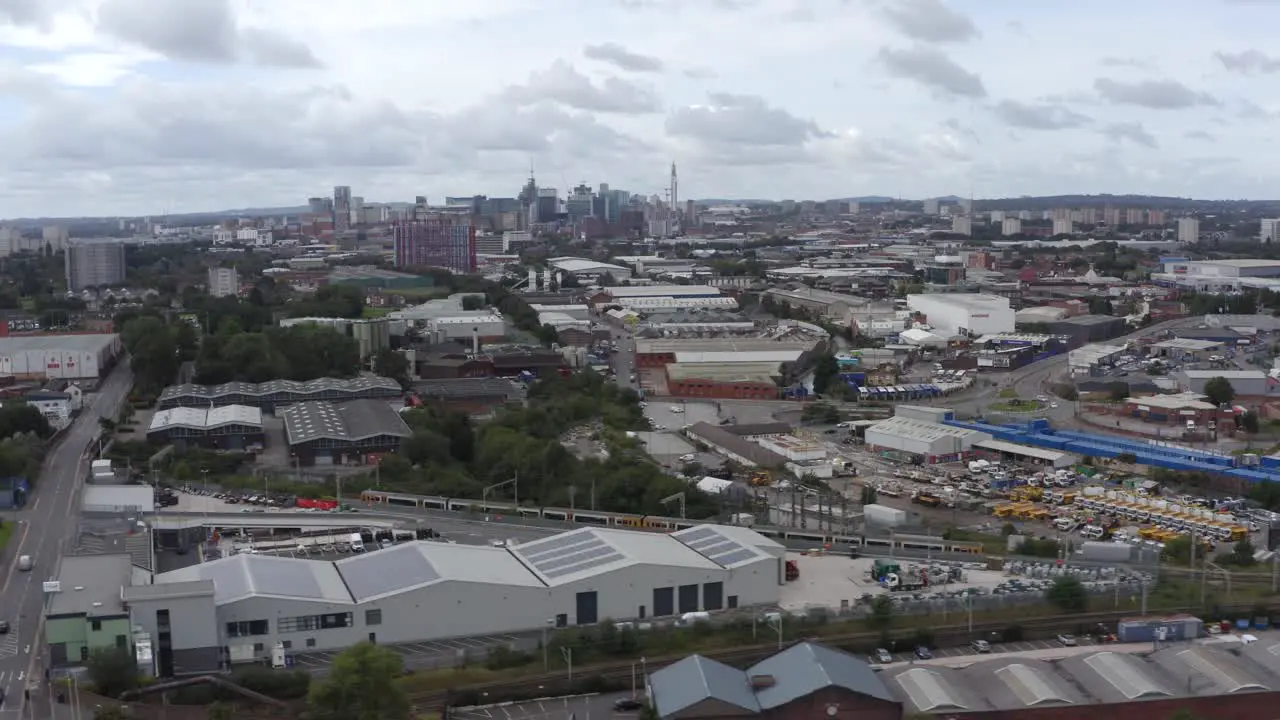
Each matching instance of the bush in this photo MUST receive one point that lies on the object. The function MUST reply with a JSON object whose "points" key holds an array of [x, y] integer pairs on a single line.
{"points": [[504, 658], [278, 684]]}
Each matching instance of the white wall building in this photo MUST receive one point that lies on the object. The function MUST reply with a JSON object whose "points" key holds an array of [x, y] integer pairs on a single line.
{"points": [[466, 327], [1188, 230], [962, 225], [1011, 226], [223, 282], [954, 313], [930, 441], [1063, 226], [1270, 231], [427, 590], [67, 357]]}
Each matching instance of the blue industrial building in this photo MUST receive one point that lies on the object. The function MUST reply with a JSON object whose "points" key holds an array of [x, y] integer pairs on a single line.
{"points": [[1038, 433]]}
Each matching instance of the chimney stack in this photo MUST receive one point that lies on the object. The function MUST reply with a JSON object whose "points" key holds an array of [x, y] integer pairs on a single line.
{"points": [[475, 341]]}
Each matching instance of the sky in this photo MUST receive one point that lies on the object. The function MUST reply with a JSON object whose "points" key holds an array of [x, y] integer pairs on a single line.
{"points": [[146, 107]]}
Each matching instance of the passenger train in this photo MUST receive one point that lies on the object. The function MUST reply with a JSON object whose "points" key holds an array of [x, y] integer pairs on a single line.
{"points": [[828, 539]]}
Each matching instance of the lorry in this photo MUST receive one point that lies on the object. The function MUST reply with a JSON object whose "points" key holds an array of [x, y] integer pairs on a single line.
{"points": [[926, 499], [1109, 552]]}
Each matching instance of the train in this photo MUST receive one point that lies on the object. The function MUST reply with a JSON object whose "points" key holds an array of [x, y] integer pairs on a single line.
{"points": [[628, 521]]}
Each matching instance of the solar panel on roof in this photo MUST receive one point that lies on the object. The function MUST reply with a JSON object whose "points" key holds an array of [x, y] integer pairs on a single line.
{"points": [[695, 534], [718, 548], [557, 545], [594, 562], [574, 558], [387, 571], [734, 557]]}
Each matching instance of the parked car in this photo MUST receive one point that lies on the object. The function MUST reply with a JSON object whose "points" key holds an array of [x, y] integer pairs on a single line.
{"points": [[1067, 640], [627, 704], [923, 653], [883, 656], [980, 646]]}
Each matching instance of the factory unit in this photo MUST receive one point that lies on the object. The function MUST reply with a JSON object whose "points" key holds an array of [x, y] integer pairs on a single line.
{"points": [[631, 292], [486, 328], [964, 313], [352, 432], [744, 380], [921, 441], [1216, 276], [657, 353], [230, 427], [269, 396], [1084, 329], [66, 357], [1246, 383], [576, 578]]}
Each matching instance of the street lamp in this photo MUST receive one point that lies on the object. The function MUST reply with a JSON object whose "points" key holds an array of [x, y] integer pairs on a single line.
{"points": [[567, 654], [546, 663]]}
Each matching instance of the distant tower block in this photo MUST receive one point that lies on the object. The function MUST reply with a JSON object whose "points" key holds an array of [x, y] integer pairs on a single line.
{"points": [[675, 188], [533, 279], [546, 280]]}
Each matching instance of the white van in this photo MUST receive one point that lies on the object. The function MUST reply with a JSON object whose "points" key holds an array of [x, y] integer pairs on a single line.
{"points": [[1092, 532], [689, 618]]}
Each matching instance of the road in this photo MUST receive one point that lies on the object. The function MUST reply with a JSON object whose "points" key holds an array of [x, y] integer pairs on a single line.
{"points": [[46, 526]]}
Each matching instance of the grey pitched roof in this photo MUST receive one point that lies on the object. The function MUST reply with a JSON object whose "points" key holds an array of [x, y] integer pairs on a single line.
{"points": [[350, 421], [694, 679], [805, 668]]}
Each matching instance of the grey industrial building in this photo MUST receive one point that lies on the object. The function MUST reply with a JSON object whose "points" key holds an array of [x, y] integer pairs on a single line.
{"points": [[229, 427], [94, 263], [1246, 383], [921, 441], [240, 606], [268, 396], [321, 433], [1084, 329], [84, 358]]}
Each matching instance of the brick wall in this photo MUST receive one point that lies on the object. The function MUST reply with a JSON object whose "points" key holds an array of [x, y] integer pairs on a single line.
{"points": [[1245, 706]]}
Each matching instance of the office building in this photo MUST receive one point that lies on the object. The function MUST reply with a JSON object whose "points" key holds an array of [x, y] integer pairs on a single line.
{"points": [[1188, 230], [341, 208], [94, 263], [223, 282], [547, 206], [444, 242]]}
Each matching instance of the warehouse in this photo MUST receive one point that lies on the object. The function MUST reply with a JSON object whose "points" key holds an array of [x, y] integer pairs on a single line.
{"points": [[964, 313], [672, 304], [474, 396], [68, 357], [584, 269], [1246, 383], [485, 328], [268, 396], [745, 380], [1012, 452], [657, 353], [230, 427], [1186, 349], [1084, 329], [630, 292], [735, 447], [576, 578], [920, 441], [353, 432]]}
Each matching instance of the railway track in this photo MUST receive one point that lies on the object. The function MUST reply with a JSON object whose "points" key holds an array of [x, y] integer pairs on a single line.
{"points": [[619, 673]]}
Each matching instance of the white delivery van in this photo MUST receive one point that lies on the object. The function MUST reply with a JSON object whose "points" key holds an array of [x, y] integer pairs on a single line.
{"points": [[1092, 532], [356, 542]]}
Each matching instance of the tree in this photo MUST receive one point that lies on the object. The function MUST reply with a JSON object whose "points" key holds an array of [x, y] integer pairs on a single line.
{"points": [[1219, 391], [393, 364], [881, 617], [825, 372], [1242, 553], [869, 495], [113, 671], [472, 302], [1249, 421], [113, 712], [361, 686], [1067, 593], [1118, 390]]}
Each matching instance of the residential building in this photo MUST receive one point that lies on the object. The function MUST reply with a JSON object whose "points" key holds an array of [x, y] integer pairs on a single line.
{"points": [[341, 208], [223, 282], [441, 241], [1270, 231], [1063, 226], [1011, 226], [962, 225], [1188, 230], [94, 263]]}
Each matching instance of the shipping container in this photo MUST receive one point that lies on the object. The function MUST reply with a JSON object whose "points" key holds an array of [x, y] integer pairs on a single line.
{"points": [[1109, 552], [884, 516], [1167, 629]]}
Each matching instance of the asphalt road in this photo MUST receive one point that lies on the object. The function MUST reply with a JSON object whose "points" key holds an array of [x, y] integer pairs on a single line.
{"points": [[46, 526]]}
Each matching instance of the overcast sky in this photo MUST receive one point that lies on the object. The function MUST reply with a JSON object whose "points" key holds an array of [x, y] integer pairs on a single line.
{"points": [[146, 106]]}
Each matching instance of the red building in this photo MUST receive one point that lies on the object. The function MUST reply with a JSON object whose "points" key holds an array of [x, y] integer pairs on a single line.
{"points": [[742, 381]]}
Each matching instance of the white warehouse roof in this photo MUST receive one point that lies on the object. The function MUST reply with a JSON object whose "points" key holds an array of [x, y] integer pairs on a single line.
{"points": [[639, 291], [245, 576], [581, 265], [924, 431], [581, 554], [410, 566], [973, 302], [205, 418]]}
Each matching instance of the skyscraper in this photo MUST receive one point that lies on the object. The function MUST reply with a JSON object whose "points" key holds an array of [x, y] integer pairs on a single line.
{"points": [[341, 208], [441, 241], [94, 263]]}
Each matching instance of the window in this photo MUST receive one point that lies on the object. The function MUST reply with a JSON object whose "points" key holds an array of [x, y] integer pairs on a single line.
{"points": [[373, 617], [307, 623], [311, 642], [95, 625], [259, 647], [246, 628], [122, 641], [286, 644]]}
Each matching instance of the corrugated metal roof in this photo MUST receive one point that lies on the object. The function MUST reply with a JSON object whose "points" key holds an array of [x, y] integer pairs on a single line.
{"points": [[803, 669], [684, 684]]}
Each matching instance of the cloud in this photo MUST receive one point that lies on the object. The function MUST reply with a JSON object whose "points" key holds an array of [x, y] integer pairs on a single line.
{"points": [[1152, 94], [1198, 135], [930, 21], [1249, 62], [1042, 116], [1249, 110], [623, 59], [1126, 62], [932, 69], [699, 73], [1132, 132], [30, 13], [199, 31], [562, 84], [746, 120]]}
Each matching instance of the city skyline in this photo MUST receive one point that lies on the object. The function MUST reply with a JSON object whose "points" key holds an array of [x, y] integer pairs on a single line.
{"points": [[142, 107]]}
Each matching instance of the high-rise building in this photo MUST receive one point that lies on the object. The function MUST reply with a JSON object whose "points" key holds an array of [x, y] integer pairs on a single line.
{"points": [[547, 206], [94, 263], [1063, 226], [1270, 231], [441, 241], [1011, 226], [580, 203], [223, 282], [320, 205], [931, 206], [54, 237], [341, 208], [1188, 230], [961, 225]]}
